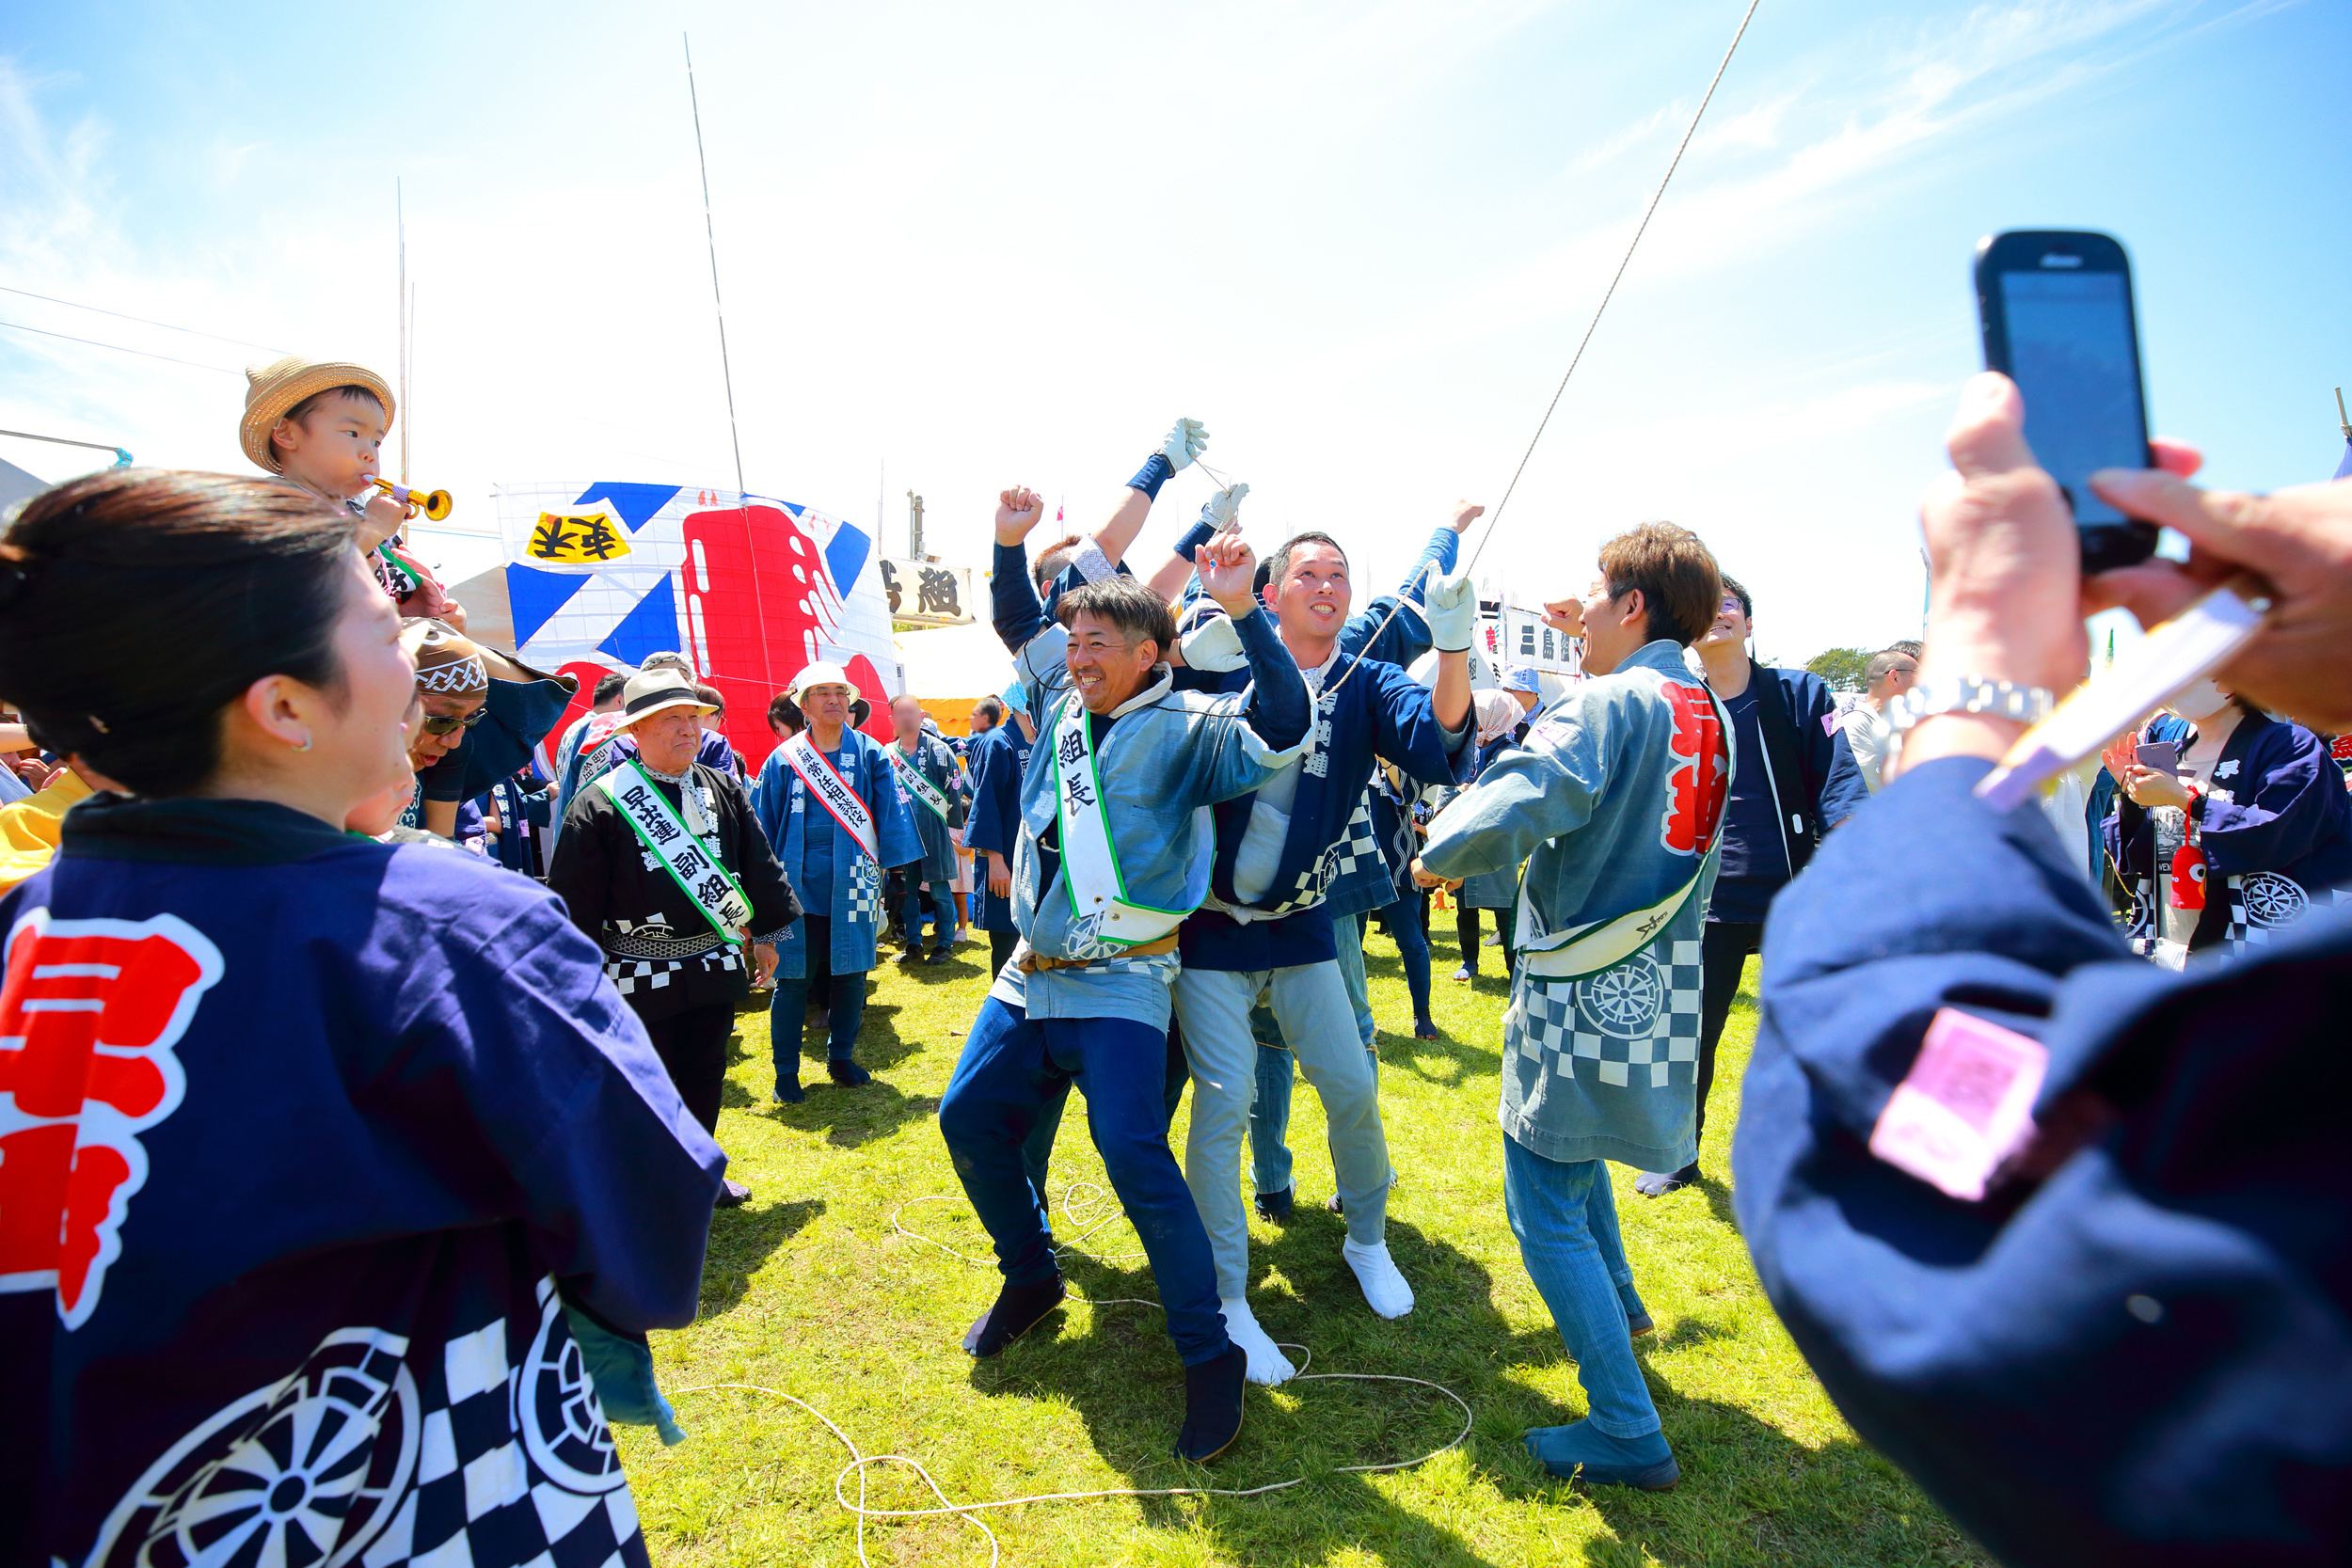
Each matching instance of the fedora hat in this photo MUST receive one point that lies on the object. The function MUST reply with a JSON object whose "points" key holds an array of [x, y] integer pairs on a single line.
{"points": [[654, 691], [271, 389]]}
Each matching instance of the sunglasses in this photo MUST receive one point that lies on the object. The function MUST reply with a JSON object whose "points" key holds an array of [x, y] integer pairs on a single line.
{"points": [[435, 723]]}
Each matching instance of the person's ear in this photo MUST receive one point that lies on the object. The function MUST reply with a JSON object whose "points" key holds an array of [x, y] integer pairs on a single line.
{"points": [[1268, 595], [280, 708], [284, 434], [1631, 605]]}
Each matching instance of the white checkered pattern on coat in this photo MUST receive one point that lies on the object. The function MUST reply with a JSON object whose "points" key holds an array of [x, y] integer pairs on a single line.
{"points": [[1357, 847], [865, 891], [2264, 903], [1594, 1027], [516, 1464], [630, 976]]}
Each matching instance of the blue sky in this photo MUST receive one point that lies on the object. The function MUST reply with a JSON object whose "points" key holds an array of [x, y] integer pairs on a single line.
{"points": [[968, 246]]}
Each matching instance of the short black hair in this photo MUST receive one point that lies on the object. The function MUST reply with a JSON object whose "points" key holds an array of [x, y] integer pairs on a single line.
{"points": [[1134, 608], [989, 708], [783, 711], [607, 688], [1739, 590], [1914, 649], [710, 696], [1279, 564]]}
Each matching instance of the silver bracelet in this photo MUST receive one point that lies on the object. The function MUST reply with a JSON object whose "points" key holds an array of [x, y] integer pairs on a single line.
{"points": [[2028, 704]]}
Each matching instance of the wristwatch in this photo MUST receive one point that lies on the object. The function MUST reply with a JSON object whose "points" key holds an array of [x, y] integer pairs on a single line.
{"points": [[2028, 704]]}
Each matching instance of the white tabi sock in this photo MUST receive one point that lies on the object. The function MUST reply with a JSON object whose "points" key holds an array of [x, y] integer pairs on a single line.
{"points": [[1268, 1364], [1384, 1288]]}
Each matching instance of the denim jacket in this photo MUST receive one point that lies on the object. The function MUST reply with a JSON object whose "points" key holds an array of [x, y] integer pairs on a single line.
{"points": [[1614, 802], [1167, 757]]}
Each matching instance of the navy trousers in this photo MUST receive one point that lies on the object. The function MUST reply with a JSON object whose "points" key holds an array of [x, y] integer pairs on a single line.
{"points": [[1012, 1067]]}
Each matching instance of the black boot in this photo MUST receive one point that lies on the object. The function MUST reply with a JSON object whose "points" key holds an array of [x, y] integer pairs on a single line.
{"points": [[846, 1073], [1277, 1205], [1018, 1308], [1213, 1406]]}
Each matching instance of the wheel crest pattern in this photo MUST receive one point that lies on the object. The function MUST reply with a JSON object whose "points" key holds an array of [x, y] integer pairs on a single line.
{"points": [[1622, 1001], [2272, 900], [303, 1472], [564, 1426]]}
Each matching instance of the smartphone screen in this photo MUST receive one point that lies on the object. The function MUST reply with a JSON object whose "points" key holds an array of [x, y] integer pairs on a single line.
{"points": [[2071, 354], [2059, 322]]}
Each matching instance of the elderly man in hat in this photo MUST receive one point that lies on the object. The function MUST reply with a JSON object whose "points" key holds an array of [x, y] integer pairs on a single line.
{"points": [[662, 865], [830, 803]]}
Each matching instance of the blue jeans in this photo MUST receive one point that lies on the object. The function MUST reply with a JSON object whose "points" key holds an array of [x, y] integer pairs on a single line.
{"points": [[1413, 947], [1566, 1222], [1010, 1067], [843, 995], [942, 897]]}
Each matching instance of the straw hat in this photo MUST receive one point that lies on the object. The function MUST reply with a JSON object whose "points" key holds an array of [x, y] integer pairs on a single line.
{"points": [[654, 691], [271, 389]]}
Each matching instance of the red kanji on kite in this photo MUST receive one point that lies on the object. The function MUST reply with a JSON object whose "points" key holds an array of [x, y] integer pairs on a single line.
{"points": [[89, 1011], [1701, 778]]}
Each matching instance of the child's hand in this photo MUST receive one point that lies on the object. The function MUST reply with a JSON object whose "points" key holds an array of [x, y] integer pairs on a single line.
{"points": [[382, 520]]}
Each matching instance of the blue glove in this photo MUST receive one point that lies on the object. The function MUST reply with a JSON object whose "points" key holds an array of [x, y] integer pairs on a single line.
{"points": [[621, 1367], [1450, 604]]}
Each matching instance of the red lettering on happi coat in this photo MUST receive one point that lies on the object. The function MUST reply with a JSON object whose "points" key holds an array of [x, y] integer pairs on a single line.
{"points": [[1700, 780], [89, 1011]]}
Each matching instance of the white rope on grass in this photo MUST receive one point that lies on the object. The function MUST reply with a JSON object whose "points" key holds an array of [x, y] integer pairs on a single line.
{"points": [[860, 1461]]}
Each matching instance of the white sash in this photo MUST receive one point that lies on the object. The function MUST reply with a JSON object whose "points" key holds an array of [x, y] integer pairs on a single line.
{"points": [[1090, 862], [924, 789], [834, 792], [1583, 950], [692, 864]]}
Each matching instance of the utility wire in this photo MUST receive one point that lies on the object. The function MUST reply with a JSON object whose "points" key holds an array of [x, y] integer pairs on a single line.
{"points": [[20, 327], [72, 305], [1614, 280]]}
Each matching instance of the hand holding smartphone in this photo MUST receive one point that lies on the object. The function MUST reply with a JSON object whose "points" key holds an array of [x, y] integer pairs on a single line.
{"points": [[2055, 310], [2164, 756]]}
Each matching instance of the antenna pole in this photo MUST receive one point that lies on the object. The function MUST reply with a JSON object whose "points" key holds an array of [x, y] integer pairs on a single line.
{"points": [[710, 235], [400, 222]]}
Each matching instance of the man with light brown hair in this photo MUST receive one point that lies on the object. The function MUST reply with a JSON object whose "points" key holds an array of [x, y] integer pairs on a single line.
{"points": [[1614, 802]]}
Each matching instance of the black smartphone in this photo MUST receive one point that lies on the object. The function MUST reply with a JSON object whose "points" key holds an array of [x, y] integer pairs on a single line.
{"points": [[2057, 311]]}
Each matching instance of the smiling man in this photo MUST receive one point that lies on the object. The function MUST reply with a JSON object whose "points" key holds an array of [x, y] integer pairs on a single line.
{"points": [[1112, 855], [664, 867], [1264, 927]]}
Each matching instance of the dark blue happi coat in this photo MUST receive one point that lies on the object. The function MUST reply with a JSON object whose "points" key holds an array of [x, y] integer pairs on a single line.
{"points": [[998, 759], [305, 1142]]}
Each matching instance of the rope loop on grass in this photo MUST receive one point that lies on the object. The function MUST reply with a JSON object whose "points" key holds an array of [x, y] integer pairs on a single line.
{"points": [[1075, 1209]]}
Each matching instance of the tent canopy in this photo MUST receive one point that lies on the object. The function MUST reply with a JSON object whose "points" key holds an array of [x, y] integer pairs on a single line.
{"points": [[950, 668]]}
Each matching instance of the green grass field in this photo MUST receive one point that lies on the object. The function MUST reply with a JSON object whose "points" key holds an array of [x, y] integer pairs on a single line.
{"points": [[809, 1290]]}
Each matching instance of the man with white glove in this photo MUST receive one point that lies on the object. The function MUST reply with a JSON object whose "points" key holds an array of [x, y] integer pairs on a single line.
{"points": [[1263, 925]]}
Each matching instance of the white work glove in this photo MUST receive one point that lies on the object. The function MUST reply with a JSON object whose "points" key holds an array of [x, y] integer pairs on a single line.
{"points": [[1185, 442], [1223, 511], [1451, 606]]}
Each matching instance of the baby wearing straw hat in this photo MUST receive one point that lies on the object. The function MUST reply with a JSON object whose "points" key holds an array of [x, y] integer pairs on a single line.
{"points": [[321, 425]]}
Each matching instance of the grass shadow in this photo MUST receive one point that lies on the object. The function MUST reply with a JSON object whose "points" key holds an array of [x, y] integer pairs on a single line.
{"points": [[742, 1240], [1115, 1367]]}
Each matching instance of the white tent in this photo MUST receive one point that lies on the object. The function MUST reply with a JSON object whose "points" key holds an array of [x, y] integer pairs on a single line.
{"points": [[955, 662]]}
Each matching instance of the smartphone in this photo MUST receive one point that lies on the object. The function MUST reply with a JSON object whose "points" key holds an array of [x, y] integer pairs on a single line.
{"points": [[2056, 308], [2162, 755]]}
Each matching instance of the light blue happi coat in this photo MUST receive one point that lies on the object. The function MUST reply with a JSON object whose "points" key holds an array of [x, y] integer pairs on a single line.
{"points": [[786, 815], [1614, 802]]}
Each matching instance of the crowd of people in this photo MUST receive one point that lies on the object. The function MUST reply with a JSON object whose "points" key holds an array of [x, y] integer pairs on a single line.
{"points": [[312, 1116]]}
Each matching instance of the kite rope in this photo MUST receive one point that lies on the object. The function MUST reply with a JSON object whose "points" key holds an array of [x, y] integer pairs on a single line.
{"points": [[1075, 1211], [1607, 295]]}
